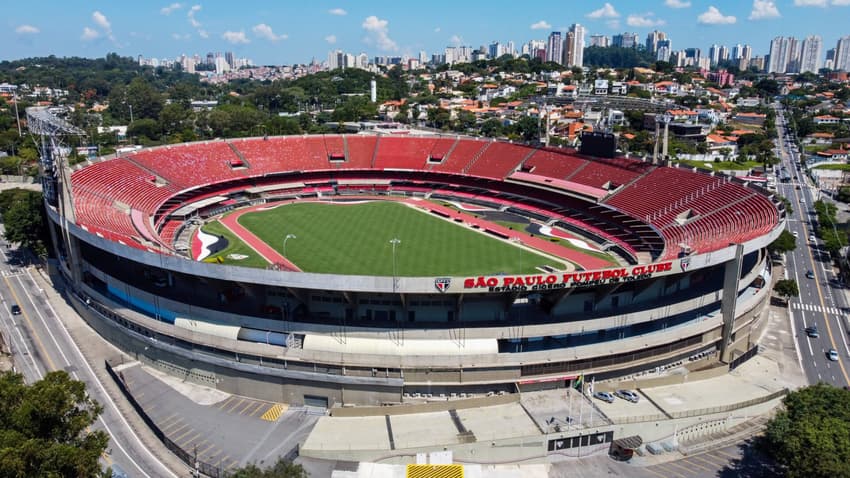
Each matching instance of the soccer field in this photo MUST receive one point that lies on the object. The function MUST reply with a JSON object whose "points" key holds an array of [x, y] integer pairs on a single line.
{"points": [[355, 239]]}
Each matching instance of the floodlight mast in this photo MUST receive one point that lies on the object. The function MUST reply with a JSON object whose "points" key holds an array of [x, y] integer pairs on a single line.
{"points": [[55, 177]]}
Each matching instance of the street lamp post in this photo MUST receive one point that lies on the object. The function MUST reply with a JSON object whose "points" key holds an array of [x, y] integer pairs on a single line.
{"points": [[394, 241], [518, 243], [288, 237]]}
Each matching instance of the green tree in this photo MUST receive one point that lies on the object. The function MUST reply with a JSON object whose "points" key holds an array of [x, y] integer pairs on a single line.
{"points": [[784, 243], [25, 219], [786, 288], [492, 128], [44, 428], [811, 436], [281, 469]]}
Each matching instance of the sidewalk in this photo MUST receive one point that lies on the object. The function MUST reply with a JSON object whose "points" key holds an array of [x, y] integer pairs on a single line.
{"points": [[96, 351]]}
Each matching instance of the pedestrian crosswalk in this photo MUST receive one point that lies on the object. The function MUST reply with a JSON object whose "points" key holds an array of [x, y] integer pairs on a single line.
{"points": [[815, 308]]}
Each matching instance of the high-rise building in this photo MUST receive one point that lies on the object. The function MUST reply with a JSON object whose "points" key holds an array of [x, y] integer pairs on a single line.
{"points": [[603, 41], [692, 56], [810, 56], [842, 54], [554, 46], [736, 52], [784, 55], [664, 50], [714, 54], [747, 52], [510, 49], [625, 40], [652, 39], [228, 57], [723, 54], [574, 46]]}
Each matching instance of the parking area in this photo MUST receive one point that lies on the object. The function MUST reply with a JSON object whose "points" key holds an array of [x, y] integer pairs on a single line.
{"points": [[620, 408], [223, 430]]}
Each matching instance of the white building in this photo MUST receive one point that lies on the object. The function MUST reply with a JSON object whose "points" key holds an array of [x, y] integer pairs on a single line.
{"points": [[810, 57]]}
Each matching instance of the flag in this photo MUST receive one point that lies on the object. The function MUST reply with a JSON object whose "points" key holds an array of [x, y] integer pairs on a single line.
{"points": [[579, 382]]}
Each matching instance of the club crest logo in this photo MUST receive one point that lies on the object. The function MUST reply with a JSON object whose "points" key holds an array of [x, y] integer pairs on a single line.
{"points": [[442, 283], [686, 263]]}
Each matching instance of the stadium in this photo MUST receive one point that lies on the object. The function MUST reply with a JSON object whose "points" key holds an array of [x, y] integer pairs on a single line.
{"points": [[340, 270]]}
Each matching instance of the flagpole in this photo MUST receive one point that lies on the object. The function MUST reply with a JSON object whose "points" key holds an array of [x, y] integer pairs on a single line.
{"points": [[592, 386], [580, 424]]}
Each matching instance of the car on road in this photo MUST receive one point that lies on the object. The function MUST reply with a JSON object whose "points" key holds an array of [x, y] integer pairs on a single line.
{"points": [[15, 309], [604, 396], [810, 274], [832, 355], [812, 332], [794, 233], [812, 238], [627, 395]]}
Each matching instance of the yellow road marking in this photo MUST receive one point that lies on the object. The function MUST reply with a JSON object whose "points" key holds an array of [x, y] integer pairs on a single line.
{"points": [[256, 409], [247, 405], [235, 404], [649, 469], [220, 405], [687, 460], [185, 443], [273, 413], [702, 459], [178, 437], [167, 419], [727, 455], [177, 430]]}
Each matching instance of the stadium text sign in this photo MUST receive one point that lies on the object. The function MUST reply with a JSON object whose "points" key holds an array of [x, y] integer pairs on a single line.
{"points": [[569, 279]]}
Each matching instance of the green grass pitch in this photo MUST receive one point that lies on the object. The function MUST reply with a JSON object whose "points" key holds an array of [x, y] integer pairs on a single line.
{"points": [[355, 239]]}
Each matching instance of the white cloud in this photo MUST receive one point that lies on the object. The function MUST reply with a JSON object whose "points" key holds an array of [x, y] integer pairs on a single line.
{"points": [[337, 11], [203, 33], [810, 3], [237, 38], [437, 30], [167, 10], [178, 36], [27, 30], [101, 20], [607, 11], [264, 31], [191, 16], [613, 24], [378, 32], [841, 3], [763, 9], [456, 40], [644, 20], [677, 3], [89, 34], [541, 25], [330, 39], [712, 16]]}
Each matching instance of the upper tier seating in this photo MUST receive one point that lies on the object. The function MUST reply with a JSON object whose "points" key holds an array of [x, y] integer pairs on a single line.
{"points": [[462, 154], [401, 152], [361, 150], [121, 180], [553, 164], [499, 160], [295, 153], [191, 165], [597, 173]]}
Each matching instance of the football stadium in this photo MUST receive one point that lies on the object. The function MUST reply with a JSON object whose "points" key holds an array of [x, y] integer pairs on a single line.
{"points": [[367, 269]]}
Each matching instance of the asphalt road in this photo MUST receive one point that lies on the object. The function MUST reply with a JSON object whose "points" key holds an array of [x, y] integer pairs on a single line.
{"points": [[41, 343], [822, 302]]}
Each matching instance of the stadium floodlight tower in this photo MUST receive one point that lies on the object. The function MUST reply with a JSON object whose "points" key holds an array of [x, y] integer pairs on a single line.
{"points": [[664, 119], [52, 131]]}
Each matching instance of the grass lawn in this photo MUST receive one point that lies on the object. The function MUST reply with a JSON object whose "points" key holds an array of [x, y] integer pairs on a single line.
{"points": [[724, 165], [235, 246], [355, 239], [834, 167]]}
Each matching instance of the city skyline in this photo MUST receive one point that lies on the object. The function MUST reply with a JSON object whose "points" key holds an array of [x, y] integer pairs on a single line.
{"points": [[287, 34]]}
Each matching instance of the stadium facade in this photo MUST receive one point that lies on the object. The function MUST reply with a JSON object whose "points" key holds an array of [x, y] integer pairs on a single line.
{"points": [[692, 272]]}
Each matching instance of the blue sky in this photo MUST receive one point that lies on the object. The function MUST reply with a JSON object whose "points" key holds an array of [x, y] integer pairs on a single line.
{"points": [[284, 32]]}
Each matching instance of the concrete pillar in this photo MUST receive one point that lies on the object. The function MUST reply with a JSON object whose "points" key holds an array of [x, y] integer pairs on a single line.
{"points": [[728, 303]]}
